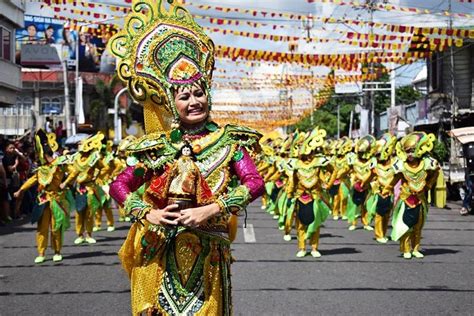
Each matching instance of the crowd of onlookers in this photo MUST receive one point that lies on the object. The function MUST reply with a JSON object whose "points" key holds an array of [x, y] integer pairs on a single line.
{"points": [[17, 164]]}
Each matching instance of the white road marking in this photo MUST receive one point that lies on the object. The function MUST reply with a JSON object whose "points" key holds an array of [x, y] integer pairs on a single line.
{"points": [[249, 234]]}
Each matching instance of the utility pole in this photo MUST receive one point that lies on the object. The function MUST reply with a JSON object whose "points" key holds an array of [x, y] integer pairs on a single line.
{"points": [[371, 67], [392, 87], [67, 106], [454, 105]]}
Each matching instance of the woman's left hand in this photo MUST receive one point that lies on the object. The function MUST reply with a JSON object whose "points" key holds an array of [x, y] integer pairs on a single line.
{"points": [[195, 217]]}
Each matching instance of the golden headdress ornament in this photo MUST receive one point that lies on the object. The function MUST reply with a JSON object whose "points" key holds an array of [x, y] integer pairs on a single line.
{"points": [[366, 146], [92, 143], [160, 50], [269, 141], [329, 147], [344, 146], [418, 142], [43, 139], [386, 146], [298, 139], [314, 140]]}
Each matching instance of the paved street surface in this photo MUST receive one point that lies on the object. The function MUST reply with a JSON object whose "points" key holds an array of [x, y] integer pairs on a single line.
{"points": [[355, 274]]}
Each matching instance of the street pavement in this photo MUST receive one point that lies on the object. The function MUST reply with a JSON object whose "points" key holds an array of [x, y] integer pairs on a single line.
{"points": [[355, 275]]}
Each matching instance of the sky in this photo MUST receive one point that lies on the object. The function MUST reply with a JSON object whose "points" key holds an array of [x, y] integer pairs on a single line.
{"points": [[335, 31]]}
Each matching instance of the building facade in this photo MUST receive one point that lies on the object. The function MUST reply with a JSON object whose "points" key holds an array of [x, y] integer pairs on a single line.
{"points": [[11, 17]]}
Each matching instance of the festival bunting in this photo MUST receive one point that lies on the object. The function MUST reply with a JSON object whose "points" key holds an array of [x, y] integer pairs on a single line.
{"points": [[393, 7]]}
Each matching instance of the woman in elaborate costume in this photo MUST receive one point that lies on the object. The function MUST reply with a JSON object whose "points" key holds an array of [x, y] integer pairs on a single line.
{"points": [[305, 191], [53, 204], [178, 254], [382, 186], [417, 172]]}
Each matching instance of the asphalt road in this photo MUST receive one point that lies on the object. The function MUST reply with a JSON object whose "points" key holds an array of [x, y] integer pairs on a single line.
{"points": [[355, 275]]}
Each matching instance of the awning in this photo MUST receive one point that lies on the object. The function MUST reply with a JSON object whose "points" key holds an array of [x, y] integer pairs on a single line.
{"points": [[464, 135]]}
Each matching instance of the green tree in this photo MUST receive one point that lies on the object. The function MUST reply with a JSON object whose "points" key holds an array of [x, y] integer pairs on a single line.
{"points": [[440, 151], [103, 99], [403, 95], [326, 116]]}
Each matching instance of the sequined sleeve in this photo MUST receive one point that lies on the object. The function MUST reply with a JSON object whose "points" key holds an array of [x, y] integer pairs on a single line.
{"points": [[125, 183], [248, 175], [251, 187]]}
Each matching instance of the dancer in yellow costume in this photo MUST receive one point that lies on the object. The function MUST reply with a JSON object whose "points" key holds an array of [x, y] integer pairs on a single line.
{"points": [[417, 172], [178, 256], [305, 191], [89, 195], [340, 178], [109, 166], [286, 204], [363, 162], [278, 175], [266, 167], [53, 204], [382, 186]]}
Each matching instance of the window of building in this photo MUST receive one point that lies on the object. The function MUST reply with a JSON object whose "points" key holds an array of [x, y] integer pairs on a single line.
{"points": [[24, 104], [5, 43], [51, 106]]}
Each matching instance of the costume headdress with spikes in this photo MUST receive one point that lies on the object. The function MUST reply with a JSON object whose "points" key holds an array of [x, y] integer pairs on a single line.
{"points": [[366, 146], [43, 139], [160, 50], [344, 146], [386, 146], [92, 143], [419, 142], [314, 140]]}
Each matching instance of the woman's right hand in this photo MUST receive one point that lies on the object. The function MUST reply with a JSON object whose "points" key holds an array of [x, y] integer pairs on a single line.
{"points": [[165, 216]]}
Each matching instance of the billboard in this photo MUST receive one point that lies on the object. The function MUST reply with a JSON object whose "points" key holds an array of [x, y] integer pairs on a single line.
{"points": [[57, 33]]}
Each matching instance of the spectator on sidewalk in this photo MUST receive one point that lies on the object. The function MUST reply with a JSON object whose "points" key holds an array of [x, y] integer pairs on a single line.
{"points": [[468, 151], [4, 203], [11, 161]]}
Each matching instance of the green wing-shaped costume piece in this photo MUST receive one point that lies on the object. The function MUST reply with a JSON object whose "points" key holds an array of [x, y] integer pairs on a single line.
{"points": [[153, 150]]}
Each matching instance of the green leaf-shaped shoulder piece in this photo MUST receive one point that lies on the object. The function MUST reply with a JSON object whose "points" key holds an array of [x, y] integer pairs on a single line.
{"points": [[430, 163], [148, 142], [154, 150], [398, 166], [93, 158], [351, 157], [242, 132]]}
